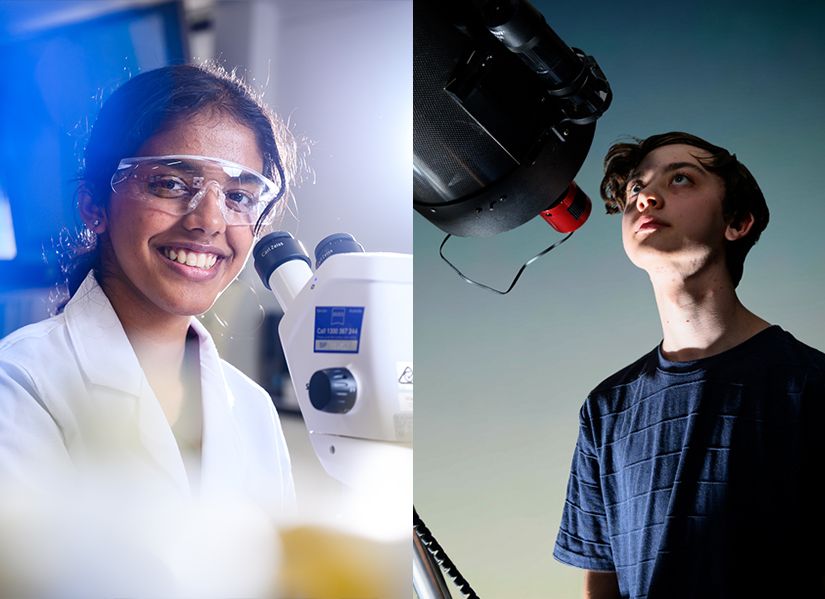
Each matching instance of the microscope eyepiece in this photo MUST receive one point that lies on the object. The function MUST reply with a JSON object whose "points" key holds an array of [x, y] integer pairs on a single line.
{"points": [[283, 265], [337, 243]]}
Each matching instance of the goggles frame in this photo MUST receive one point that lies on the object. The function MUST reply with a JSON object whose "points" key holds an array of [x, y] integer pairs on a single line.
{"points": [[200, 184]]}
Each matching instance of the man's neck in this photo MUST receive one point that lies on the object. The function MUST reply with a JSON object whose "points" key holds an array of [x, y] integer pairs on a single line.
{"points": [[701, 315]]}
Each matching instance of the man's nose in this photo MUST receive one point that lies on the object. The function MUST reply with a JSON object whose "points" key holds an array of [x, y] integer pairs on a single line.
{"points": [[648, 198]]}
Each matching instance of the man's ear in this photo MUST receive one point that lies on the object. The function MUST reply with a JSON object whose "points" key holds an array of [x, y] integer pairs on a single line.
{"points": [[738, 228], [91, 212]]}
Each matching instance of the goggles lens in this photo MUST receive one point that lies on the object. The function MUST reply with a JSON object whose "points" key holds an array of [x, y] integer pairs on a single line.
{"points": [[177, 185]]}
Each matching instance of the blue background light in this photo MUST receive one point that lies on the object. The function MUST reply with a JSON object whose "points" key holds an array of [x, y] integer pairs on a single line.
{"points": [[54, 82]]}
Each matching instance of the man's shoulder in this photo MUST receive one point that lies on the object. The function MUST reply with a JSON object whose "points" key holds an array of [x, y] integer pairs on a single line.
{"points": [[627, 376], [793, 352], [617, 391]]}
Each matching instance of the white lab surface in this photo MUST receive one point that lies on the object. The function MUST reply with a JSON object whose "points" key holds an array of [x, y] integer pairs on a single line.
{"points": [[72, 392]]}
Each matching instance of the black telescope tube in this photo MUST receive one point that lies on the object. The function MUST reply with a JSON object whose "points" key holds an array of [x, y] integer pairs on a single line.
{"points": [[523, 30]]}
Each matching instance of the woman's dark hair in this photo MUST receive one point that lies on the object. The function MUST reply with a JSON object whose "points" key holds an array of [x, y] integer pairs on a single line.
{"points": [[742, 193], [156, 100]]}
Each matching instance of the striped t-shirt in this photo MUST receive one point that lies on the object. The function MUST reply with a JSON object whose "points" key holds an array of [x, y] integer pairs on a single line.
{"points": [[699, 479]]}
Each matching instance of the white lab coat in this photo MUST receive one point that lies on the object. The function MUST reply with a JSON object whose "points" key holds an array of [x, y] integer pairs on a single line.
{"points": [[71, 388]]}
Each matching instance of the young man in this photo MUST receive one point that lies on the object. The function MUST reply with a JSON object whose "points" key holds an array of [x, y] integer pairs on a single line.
{"points": [[695, 467]]}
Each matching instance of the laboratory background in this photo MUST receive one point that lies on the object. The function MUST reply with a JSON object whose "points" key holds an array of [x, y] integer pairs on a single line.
{"points": [[338, 71], [501, 378]]}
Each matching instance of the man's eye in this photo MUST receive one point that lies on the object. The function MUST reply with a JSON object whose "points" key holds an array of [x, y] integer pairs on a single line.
{"points": [[680, 179], [167, 186], [634, 188]]}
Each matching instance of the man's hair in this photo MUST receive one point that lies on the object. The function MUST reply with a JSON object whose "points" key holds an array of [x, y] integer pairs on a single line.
{"points": [[742, 193]]}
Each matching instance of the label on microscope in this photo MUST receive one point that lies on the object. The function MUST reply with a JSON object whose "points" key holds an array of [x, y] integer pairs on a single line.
{"points": [[338, 329]]}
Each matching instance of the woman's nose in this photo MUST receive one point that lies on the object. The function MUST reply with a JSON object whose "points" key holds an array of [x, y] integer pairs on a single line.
{"points": [[206, 213]]}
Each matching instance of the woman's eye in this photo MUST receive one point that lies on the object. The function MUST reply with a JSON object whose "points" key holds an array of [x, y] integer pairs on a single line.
{"points": [[240, 200], [634, 188], [680, 179], [166, 186]]}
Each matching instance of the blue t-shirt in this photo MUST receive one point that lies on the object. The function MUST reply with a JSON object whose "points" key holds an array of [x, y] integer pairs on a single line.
{"points": [[700, 479]]}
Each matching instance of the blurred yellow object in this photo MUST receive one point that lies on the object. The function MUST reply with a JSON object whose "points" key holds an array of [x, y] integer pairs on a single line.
{"points": [[75, 547], [321, 563]]}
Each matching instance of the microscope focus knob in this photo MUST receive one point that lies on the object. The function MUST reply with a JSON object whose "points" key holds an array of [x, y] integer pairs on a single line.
{"points": [[332, 390]]}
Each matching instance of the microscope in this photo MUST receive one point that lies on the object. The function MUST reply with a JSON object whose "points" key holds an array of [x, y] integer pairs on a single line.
{"points": [[348, 341]]}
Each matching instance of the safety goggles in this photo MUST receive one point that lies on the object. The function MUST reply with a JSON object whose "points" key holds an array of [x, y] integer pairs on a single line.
{"points": [[176, 185]]}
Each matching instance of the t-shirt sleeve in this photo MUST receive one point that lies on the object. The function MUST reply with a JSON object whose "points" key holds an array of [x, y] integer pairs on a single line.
{"points": [[583, 535]]}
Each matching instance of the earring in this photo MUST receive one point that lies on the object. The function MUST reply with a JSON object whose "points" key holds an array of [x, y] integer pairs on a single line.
{"points": [[96, 223]]}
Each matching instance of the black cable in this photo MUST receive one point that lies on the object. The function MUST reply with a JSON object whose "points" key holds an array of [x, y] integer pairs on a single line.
{"points": [[428, 540], [518, 274]]}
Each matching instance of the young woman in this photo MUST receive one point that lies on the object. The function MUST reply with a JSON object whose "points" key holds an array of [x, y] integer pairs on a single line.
{"points": [[183, 168]]}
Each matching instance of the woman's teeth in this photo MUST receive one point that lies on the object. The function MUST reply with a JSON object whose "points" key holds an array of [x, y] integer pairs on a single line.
{"points": [[190, 258]]}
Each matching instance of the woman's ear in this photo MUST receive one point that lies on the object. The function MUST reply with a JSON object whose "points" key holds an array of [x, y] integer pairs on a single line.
{"points": [[740, 227], [92, 213]]}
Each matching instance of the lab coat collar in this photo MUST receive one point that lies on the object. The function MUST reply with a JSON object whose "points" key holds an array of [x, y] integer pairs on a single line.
{"points": [[222, 452], [101, 342], [119, 394]]}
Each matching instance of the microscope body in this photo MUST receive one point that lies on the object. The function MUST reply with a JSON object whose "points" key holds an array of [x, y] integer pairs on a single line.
{"points": [[347, 336]]}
